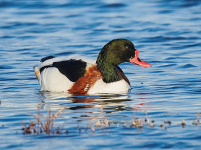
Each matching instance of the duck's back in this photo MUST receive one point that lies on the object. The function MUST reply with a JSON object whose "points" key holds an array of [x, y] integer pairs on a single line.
{"points": [[59, 74]]}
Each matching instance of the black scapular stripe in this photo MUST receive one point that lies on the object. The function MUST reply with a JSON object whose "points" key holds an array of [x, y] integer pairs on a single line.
{"points": [[46, 58], [72, 69]]}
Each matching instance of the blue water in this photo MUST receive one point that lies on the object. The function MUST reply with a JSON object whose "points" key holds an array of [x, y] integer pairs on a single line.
{"points": [[166, 32]]}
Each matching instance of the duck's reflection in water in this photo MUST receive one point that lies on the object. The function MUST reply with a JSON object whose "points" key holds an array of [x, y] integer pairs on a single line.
{"points": [[84, 101], [113, 103]]}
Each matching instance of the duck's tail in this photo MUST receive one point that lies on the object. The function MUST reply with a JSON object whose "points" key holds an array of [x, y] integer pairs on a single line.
{"points": [[37, 71]]}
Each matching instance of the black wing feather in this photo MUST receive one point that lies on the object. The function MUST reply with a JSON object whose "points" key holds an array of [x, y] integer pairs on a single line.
{"points": [[72, 69]]}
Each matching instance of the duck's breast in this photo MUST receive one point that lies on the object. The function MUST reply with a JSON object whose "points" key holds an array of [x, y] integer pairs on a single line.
{"points": [[117, 87]]}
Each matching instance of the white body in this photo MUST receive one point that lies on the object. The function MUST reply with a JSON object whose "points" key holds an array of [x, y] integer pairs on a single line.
{"points": [[52, 80]]}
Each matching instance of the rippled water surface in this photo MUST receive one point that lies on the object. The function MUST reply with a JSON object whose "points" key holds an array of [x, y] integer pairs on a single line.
{"points": [[167, 34]]}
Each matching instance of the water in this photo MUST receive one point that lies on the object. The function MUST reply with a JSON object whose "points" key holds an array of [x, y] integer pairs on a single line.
{"points": [[167, 34]]}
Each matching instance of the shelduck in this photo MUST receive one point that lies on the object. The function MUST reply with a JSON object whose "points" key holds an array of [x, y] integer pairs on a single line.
{"points": [[58, 74]]}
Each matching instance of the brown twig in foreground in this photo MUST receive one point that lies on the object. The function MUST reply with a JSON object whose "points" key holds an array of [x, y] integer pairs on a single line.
{"points": [[46, 126]]}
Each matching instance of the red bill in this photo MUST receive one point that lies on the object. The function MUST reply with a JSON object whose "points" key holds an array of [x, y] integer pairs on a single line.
{"points": [[137, 61]]}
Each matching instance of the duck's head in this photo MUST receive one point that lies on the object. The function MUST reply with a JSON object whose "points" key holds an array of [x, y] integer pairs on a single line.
{"points": [[118, 51]]}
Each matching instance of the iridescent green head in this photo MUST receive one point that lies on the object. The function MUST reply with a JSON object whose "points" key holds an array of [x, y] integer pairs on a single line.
{"points": [[116, 52]]}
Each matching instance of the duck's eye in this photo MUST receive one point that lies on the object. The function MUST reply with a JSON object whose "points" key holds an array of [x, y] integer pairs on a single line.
{"points": [[127, 47]]}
